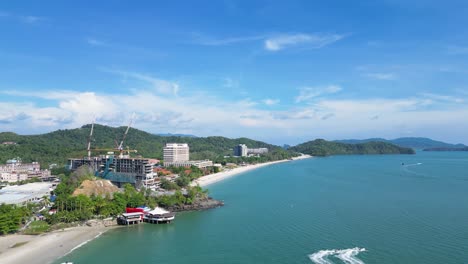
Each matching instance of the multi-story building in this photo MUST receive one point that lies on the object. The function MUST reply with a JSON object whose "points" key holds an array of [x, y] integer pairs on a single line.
{"points": [[257, 151], [136, 171], [176, 152], [240, 150], [15, 170], [197, 163]]}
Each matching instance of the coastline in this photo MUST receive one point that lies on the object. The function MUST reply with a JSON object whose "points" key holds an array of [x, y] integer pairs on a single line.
{"points": [[216, 177], [48, 247]]}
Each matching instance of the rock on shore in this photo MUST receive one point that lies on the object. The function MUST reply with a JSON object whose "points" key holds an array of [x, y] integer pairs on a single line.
{"points": [[200, 204]]}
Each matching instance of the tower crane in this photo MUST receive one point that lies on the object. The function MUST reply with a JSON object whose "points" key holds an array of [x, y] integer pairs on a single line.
{"points": [[90, 138]]}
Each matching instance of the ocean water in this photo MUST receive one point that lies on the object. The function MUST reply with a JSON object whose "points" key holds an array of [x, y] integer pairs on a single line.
{"points": [[341, 209]]}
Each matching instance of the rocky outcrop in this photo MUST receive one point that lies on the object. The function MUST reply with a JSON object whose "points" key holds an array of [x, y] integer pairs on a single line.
{"points": [[200, 204]]}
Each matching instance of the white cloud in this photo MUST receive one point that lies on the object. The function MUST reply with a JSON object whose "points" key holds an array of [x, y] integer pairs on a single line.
{"points": [[199, 114], [382, 76], [311, 40], [269, 101], [308, 93]]}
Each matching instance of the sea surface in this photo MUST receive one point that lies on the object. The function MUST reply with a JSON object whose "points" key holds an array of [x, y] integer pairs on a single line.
{"points": [[341, 209]]}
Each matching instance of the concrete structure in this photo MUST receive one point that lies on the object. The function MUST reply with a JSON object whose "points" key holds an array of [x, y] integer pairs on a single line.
{"points": [[176, 152], [20, 194], [198, 163], [257, 151], [15, 170], [136, 171], [240, 150], [12, 177]]}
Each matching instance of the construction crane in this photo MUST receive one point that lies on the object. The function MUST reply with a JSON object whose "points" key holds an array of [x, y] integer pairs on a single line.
{"points": [[120, 147], [89, 139]]}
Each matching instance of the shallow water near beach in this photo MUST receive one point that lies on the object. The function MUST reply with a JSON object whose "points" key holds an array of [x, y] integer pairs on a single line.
{"points": [[341, 209]]}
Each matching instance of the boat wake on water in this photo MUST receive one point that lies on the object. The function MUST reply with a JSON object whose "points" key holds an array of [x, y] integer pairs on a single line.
{"points": [[347, 256]]}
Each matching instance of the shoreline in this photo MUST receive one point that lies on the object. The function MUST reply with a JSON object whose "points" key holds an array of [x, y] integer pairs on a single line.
{"points": [[216, 177], [48, 247]]}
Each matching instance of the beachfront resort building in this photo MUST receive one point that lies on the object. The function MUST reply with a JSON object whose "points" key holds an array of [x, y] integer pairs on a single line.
{"points": [[240, 150], [15, 170], [176, 152], [257, 151], [177, 155]]}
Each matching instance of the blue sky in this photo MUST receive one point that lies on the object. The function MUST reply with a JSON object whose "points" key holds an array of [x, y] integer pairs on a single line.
{"points": [[282, 72]]}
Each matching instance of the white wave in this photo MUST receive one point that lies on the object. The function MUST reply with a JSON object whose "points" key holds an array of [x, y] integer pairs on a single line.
{"points": [[348, 256], [321, 256], [84, 243], [413, 164]]}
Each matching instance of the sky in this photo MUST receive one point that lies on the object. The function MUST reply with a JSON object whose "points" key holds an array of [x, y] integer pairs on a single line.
{"points": [[279, 71]]}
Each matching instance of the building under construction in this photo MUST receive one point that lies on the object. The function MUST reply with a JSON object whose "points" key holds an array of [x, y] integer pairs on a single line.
{"points": [[120, 168]]}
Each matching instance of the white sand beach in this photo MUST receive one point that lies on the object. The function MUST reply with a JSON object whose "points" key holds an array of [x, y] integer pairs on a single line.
{"points": [[216, 177], [48, 247]]}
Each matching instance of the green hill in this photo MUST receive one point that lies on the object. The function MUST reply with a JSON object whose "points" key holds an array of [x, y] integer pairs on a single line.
{"points": [[321, 147], [407, 142], [58, 146]]}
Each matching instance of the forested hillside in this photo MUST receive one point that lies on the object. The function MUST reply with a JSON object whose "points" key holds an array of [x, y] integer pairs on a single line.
{"points": [[321, 147], [58, 146]]}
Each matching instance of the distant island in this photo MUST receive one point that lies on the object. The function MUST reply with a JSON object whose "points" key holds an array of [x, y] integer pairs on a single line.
{"points": [[446, 149], [321, 147], [407, 142]]}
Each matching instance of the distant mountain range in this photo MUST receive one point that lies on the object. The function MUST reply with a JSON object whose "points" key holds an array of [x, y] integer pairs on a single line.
{"points": [[407, 142]]}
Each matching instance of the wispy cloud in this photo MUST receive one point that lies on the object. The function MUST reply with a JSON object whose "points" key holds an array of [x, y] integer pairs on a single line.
{"points": [[308, 93], [273, 42], [270, 101], [31, 19], [28, 19], [95, 42], [444, 98], [210, 41], [159, 85], [310, 40], [382, 76]]}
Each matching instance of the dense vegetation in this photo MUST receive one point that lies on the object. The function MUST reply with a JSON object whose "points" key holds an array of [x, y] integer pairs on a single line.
{"points": [[11, 217], [407, 142], [81, 207], [57, 146], [320, 147]]}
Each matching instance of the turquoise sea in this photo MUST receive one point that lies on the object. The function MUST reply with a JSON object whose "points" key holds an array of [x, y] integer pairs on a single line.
{"points": [[340, 209]]}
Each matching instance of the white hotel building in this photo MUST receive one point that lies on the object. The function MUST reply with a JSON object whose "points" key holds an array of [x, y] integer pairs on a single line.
{"points": [[176, 152], [177, 155]]}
